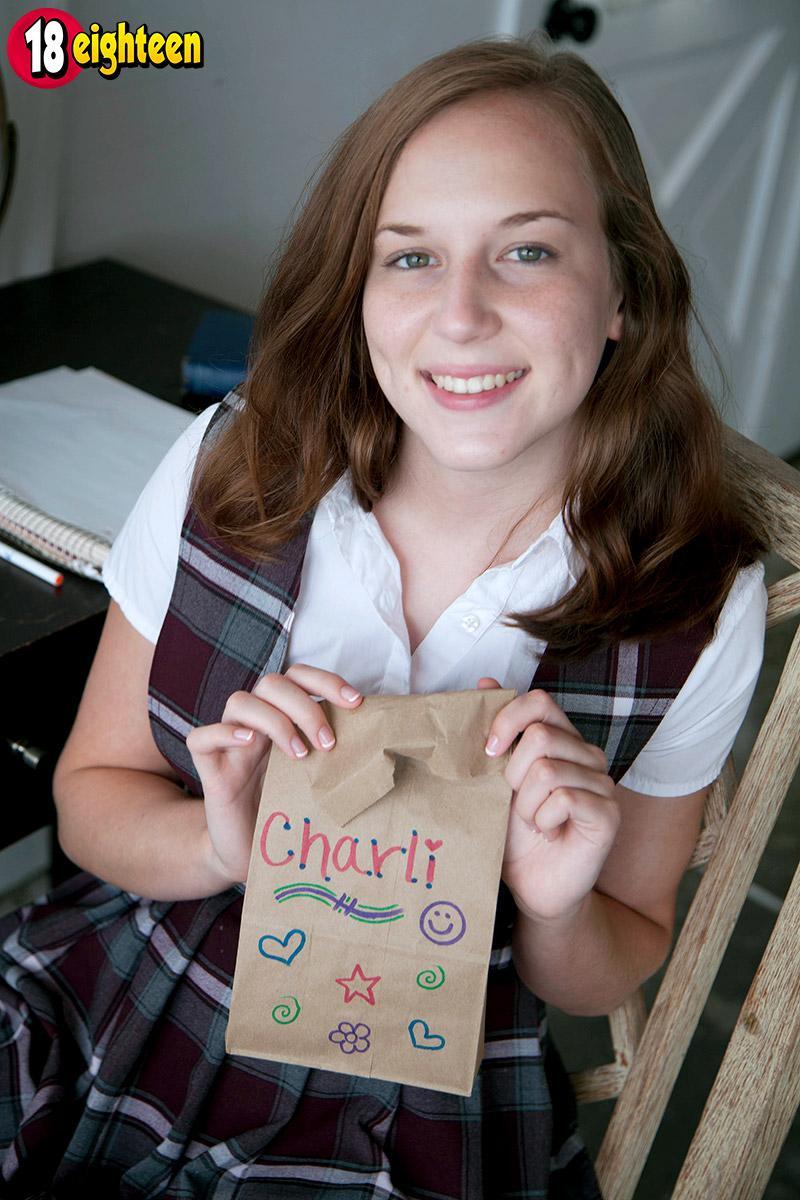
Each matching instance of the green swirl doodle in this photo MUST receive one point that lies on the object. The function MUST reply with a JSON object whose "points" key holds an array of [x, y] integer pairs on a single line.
{"points": [[284, 1014], [429, 980]]}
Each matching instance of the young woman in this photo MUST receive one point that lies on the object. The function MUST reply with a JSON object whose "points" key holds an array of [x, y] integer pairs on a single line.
{"points": [[471, 451]]}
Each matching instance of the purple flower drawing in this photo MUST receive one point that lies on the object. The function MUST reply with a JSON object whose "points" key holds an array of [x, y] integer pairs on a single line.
{"points": [[350, 1038]]}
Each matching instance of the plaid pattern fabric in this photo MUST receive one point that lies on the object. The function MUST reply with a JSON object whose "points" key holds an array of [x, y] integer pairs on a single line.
{"points": [[228, 618], [115, 1080], [617, 696], [114, 1073]]}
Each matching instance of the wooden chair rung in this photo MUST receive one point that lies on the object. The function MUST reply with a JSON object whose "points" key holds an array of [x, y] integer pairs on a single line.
{"points": [[772, 488], [761, 1064], [716, 810], [783, 599], [733, 1140], [605, 1082], [598, 1083]]}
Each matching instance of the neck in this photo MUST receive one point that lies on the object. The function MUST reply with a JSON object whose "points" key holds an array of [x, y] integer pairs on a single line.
{"points": [[503, 508]]}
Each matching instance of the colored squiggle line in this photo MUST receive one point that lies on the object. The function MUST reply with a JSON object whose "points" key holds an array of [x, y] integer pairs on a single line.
{"points": [[371, 914], [312, 891], [429, 979], [284, 1014]]}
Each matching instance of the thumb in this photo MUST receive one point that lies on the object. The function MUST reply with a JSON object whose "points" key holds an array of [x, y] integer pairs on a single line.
{"points": [[486, 681]]}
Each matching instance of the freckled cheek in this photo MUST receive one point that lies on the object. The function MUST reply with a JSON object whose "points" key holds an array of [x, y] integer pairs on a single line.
{"points": [[569, 334], [393, 334]]}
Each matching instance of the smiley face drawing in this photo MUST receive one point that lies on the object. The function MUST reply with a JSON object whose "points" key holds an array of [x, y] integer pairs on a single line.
{"points": [[443, 923]]}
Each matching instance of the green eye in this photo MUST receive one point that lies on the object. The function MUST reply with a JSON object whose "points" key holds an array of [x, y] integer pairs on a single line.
{"points": [[410, 254], [537, 250]]}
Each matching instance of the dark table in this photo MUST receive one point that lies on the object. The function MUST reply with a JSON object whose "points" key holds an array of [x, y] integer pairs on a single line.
{"points": [[136, 327]]}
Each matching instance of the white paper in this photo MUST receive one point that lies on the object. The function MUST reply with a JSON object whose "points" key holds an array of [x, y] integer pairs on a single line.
{"points": [[82, 444]]}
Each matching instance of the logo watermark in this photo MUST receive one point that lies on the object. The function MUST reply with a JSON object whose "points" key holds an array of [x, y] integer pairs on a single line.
{"points": [[48, 48]]}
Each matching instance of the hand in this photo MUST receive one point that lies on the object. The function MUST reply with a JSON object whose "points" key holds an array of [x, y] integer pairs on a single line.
{"points": [[563, 818], [231, 757]]}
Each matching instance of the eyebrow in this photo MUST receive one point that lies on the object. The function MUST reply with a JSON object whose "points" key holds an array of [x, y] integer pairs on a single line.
{"points": [[520, 218]]}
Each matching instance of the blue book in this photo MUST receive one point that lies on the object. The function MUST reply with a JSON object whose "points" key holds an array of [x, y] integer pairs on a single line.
{"points": [[216, 359]]}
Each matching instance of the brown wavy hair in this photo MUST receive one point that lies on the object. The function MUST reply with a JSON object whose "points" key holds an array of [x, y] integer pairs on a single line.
{"points": [[647, 503]]}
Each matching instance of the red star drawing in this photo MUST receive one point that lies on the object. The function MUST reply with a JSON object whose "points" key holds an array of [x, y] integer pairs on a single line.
{"points": [[354, 985]]}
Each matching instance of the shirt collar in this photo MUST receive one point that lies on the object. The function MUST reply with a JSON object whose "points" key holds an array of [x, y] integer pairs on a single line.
{"points": [[343, 510]]}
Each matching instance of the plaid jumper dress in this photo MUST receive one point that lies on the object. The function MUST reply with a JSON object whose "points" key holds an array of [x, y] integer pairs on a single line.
{"points": [[113, 1072]]}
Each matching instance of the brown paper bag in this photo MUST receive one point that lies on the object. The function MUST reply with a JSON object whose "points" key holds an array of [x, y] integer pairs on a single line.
{"points": [[369, 909]]}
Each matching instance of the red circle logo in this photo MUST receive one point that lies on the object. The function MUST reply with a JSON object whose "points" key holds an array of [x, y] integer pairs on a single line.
{"points": [[40, 47]]}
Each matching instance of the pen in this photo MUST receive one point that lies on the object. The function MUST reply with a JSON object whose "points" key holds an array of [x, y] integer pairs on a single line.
{"points": [[31, 565]]}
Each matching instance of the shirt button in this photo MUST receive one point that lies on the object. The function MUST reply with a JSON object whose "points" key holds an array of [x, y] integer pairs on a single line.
{"points": [[470, 622]]}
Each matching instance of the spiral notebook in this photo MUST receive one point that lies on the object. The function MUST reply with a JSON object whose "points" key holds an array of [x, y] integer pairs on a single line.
{"points": [[76, 449]]}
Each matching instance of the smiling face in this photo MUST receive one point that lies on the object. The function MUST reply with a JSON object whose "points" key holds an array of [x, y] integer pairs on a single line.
{"points": [[442, 923], [474, 294]]}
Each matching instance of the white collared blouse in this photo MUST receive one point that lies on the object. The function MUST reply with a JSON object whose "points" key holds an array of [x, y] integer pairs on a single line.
{"points": [[349, 619]]}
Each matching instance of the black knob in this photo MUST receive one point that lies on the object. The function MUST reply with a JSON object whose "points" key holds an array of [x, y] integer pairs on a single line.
{"points": [[565, 19]]}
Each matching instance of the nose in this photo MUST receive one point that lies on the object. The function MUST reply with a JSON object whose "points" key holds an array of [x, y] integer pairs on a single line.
{"points": [[465, 307]]}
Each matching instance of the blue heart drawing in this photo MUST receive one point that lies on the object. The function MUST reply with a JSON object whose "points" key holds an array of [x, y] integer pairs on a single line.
{"points": [[424, 1040], [294, 935]]}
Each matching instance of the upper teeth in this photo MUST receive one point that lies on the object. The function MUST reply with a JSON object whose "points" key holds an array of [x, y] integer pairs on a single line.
{"points": [[475, 383]]}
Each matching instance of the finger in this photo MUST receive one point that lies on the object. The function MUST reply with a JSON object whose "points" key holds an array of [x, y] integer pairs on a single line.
{"points": [[207, 739], [249, 711], [319, 682], [549, 776], [540, 743], [596, 817], [298, 692], [486, 681], [290, 694], [519, 713]]}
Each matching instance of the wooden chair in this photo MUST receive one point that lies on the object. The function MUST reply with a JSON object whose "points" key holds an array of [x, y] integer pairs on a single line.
{"points": [[736, 1143]]}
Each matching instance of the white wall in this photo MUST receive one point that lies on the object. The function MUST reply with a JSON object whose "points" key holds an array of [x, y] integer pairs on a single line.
{"points": [[193, 175]]}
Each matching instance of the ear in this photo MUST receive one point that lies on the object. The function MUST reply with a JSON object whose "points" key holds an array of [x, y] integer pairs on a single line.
{"points": [[617, 322]]}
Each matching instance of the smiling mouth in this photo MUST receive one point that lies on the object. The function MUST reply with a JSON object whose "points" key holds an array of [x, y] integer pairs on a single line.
{"points": [[464, 401], [442, 932], [472, 385]]}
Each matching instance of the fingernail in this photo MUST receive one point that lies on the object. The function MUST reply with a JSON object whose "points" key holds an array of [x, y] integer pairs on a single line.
{"points": [[349, 693], [326, 738], [492, 744], [298, 747], [244, 735]]}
